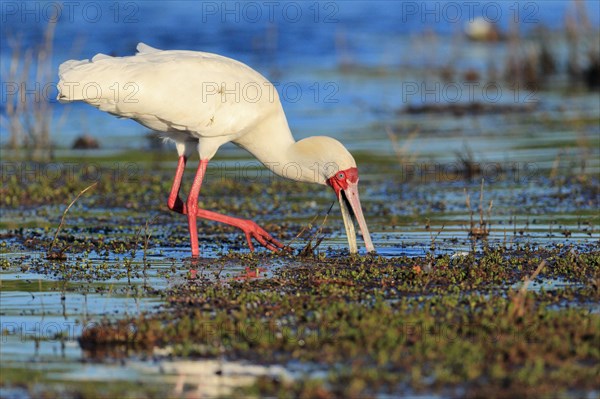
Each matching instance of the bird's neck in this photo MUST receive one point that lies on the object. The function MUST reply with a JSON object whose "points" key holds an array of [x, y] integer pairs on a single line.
{"points": [[273, 144]]}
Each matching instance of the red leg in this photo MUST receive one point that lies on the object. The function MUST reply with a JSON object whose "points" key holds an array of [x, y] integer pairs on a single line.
{"points": [[175, 203], [192, 205], [250, 228]]}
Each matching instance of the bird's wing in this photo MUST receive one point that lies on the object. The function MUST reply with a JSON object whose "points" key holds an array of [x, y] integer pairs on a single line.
{"points": [[202, 93]]}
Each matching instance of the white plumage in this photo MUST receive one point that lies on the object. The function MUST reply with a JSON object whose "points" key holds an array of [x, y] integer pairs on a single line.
{"points": [[202, 95], [201, 101]]}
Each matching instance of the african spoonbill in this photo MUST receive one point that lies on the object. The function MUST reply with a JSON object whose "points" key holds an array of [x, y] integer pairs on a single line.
{"points": [[201, 101]]}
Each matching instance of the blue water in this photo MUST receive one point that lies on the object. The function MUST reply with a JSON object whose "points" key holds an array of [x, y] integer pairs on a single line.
{"points": [[305, 31], [299, 44]]}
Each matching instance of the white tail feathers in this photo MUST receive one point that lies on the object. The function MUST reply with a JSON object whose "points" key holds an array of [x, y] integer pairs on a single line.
{"points": [[93, 80], [66, 72], [70, 73], [90, 81]]}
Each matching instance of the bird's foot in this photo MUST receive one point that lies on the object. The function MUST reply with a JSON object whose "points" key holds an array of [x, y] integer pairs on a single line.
{"points": [[250, 228], [253, 230]]}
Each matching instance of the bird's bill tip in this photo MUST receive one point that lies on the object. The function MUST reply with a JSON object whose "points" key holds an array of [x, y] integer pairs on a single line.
{"points": [[350, 205]]}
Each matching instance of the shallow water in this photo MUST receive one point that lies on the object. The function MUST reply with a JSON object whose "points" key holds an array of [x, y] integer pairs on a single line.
{"points": [[414, 196], [46, 307]]}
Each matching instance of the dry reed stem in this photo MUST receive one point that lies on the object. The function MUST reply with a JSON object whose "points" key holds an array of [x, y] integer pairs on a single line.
{"points": [[28, 121], [309, 247], [519, 298], [147, 236], [301, 233], [62, 220], [483, 229]]}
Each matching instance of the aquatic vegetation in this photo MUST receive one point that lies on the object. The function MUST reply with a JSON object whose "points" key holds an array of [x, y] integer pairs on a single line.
{"points": [[491, 295], [380, 325], [437, 319]]}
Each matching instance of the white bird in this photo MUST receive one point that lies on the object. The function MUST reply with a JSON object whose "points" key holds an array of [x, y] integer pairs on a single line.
{"points": [[201, 101]]}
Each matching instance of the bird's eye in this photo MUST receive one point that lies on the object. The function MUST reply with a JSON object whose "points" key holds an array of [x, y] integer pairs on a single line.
{"points": [[341, 175]]}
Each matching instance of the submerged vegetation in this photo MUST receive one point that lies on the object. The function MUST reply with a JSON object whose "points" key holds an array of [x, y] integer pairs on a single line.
{"points": [[455, 324], [385, 325], [485, 305]]}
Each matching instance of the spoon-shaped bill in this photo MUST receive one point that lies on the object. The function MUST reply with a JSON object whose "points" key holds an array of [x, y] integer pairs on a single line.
{"points": [[350, 206]]}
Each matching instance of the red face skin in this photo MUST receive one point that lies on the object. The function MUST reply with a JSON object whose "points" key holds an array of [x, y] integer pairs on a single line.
{"points": [[342, 179]]}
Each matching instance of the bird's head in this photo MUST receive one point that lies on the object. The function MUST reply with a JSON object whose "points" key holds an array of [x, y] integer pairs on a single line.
{"points": [[345, 184], [332, 164]]}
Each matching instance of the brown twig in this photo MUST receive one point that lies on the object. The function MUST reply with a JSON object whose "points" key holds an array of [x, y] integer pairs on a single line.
{"points": [[62, 220], [301, 233], [432, 246], [147, 235], [309, 248], [483, 230], [519, 299]]}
